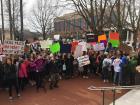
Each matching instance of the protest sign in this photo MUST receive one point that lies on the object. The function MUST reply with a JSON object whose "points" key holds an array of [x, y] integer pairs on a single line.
{"points": [[92, 38], [114, 36], [115, 43], [65, 48], [83, 60], [78, 51], [56, 37], [55, 48], [99, 47], [84, 46], [89, 46], [13, 47], [102, 38], [46, 44], [73, 44], [1, 46]]}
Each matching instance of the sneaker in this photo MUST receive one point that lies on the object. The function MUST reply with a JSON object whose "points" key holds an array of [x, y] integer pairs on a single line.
{"points": [[83, 77], [86, 77], [18, 95], [10, 98]]}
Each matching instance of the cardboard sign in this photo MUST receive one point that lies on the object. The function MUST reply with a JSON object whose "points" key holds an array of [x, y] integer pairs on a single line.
{"points": [[78, 51], [83, 60], [46, 44], [99, 47], [13, 47]]}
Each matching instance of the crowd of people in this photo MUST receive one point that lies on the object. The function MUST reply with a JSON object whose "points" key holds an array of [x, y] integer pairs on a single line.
{"points": [[37, 67]]}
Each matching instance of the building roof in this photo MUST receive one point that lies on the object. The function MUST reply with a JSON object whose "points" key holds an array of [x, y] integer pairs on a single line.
{"points": [[69, 16]]}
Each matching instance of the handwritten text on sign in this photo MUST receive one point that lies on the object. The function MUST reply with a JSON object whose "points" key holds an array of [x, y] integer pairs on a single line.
{"points": [[13, 47], [99, 47], [83, 60]]}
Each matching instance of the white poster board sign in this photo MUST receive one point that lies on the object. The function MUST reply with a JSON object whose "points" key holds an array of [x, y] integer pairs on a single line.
{"points": [[56, 37], [83, 60], [99, 47], [46, 44], [78, 51], [84, 46], [13, 47]]}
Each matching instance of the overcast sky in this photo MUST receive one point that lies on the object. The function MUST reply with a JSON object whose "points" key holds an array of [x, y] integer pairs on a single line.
{"points": [[27, 13], [28, 5]]}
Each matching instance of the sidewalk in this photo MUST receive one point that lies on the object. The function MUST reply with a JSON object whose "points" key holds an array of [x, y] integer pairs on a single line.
{"points": [[130, 98]]}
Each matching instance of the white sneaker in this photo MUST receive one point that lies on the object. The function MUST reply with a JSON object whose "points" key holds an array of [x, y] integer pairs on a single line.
{"points": [[18, 95], [86, 77], [10, 98]]}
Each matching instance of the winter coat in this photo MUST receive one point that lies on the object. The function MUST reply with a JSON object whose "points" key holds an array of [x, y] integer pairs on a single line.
{"points": [[23, 71], [10, 72]]}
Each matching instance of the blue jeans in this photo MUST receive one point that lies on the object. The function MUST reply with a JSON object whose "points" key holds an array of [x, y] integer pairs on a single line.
{"points": [[118, 78]]}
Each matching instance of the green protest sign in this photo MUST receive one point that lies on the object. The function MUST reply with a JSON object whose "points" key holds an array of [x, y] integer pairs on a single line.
{"points": [[55, 48], [115, 43]]}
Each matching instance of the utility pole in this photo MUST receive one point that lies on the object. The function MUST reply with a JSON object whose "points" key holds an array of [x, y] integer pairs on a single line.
{"points": [[2, 37], [10, 18], [21, 19]]}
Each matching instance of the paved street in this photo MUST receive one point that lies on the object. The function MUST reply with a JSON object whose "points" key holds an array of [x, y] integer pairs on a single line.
{"points": [[71, 92]]}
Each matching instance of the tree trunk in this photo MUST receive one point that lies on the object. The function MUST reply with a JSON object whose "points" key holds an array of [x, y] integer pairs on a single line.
{"points": [[2, 37], [10, 19], [14, 31], [21, 19]]}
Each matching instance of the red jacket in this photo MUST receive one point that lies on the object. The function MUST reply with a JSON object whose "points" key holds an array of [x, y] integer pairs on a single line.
{"points": [[23, 70]]}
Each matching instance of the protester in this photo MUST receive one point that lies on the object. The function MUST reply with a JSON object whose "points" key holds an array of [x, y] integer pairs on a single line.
{"points": [[53, 73], [93, 67], [132, 68], [86, 68], [23, 73], [107, 62], [10, 77], [37, 66], [124, 68], [117, 70]]}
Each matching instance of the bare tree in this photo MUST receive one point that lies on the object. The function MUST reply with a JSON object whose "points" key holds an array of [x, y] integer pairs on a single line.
{"points": [[43, 15], [2, 18], [21, 19], [117, 14], [134, 16], [10, 18], [93, 12], [15, 16]]}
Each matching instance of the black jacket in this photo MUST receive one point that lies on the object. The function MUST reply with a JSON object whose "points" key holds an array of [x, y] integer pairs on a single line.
{"points": [[52, 67], [9, 72]]}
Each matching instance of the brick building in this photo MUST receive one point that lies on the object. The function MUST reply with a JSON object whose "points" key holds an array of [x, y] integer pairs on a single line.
{"points": [[70, 25]]}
